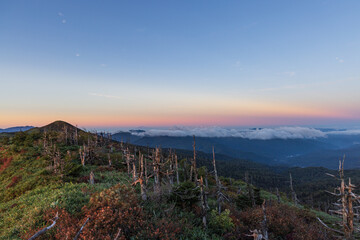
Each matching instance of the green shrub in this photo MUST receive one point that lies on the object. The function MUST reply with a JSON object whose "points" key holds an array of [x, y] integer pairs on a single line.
{"points": [[185, 194], [221, 223]]}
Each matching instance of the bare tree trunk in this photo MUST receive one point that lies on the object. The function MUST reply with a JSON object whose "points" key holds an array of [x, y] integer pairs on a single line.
{"points": [[194, 163], [128, 160], [142, 177], [177, 170], [82, 227], [82, 152], [109, 159], [293, 194], [278, 195], [157, 182], [92, 176], [134, 172], [264, 230], [350, 217], [146, 172], [218, 183], [203, 202], [76, 136]]}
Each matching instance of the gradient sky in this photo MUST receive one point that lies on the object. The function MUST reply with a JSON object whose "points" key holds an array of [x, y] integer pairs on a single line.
{"points": [[163, 63]]}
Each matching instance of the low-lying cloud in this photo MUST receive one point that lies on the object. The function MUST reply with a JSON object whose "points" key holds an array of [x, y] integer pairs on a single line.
{"points": [[258, 133]]}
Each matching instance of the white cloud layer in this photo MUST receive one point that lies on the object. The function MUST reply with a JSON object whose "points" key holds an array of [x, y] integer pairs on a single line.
{"points": [[260, 133], [345, 132]]}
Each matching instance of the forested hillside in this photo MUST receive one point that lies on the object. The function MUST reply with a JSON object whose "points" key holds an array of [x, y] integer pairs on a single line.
{"points": [[60, 182]]}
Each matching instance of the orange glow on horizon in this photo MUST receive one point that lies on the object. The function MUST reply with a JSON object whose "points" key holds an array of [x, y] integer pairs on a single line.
{"points": [[212, 112]]}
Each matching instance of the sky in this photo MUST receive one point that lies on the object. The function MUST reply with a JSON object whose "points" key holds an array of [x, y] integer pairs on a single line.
{"points": [[192, 63]]}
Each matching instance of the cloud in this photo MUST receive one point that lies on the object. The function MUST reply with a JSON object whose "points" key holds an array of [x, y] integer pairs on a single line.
{"points": [[339, 60], [259, 133], [105, 96], [345, 132], [238, 65], [63, 21], [305, 85], [103, 65], [289, 74], [60, 14], [77, 54]]}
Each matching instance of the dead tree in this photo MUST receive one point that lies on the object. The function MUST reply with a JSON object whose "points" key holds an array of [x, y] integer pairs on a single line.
{"points": [[203, 202], [194, 169], [76, 136], [177, 170], [293, 193], [42, 231], [134, 175], [109, 159], [82, 227], [347, 199], [142, 180], [82, 153], [66, 134], [278, 195], [128, 158], [264, 229], [45, 144], [250, 189], [145, 171], [256, 234], [92, 180], [171, 168], [156, 166], [219, 194]]}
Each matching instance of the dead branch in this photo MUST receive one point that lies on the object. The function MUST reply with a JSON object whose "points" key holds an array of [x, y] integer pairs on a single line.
{"points": [[42, 231], [82, 227]]}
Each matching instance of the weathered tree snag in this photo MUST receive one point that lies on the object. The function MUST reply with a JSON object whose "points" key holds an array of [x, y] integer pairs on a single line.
{"points": [[293, 194], [45, 140], [76, 136], [219, 194], [92, 176], [82, 227], [278, 195], [171, 168], [128, 160], [256, 234], [191, 173], [109, 159], [250, 189], [42, 231], [264, 229], [142, 178], [156, 164], [145, 171], [82, 153], [177, 170], [347, 199], [203, 202], [134, 172], [194, 163], [118, 234]]}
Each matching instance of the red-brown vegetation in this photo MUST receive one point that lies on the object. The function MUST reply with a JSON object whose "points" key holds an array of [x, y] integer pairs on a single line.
{"points": [[5, 162], [14, 181]]}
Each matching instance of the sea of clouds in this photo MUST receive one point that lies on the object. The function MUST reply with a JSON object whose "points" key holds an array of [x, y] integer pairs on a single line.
{"points": [[254, 133]]}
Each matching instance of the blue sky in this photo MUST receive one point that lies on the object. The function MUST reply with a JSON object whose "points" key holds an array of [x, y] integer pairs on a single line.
{"points": [[122, 63]]}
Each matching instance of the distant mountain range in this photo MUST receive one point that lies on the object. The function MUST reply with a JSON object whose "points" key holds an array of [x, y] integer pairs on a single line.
{"points": [[320, 150], [15, 129]]}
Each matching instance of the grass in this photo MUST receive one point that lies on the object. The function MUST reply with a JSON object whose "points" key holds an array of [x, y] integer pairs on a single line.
{"points": [[22, 204]]}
